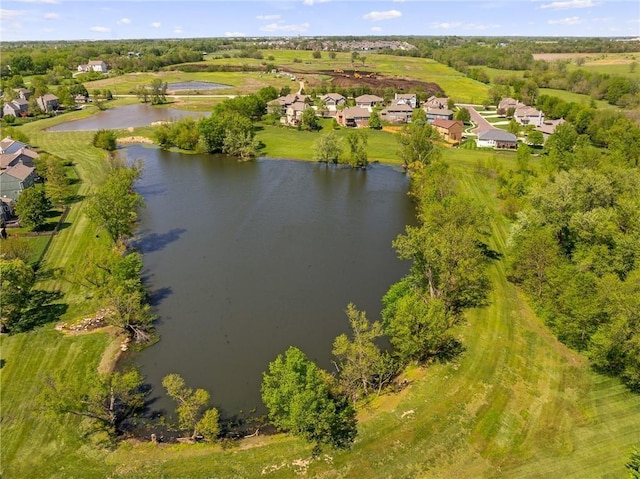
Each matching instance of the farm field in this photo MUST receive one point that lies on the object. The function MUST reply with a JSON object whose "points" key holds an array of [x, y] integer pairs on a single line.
{"points": [[516, 403]]}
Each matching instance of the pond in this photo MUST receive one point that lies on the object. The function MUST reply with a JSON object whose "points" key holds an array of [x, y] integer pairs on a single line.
{"points": [[126, 117], [195, 86], [245, 259]]}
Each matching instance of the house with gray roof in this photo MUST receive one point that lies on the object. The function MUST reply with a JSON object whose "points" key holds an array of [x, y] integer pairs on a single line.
{"points": [[333, 100], [23, 93], [434, 114], [18, 108], [497, 139], [15, 179], [353, 117], [435, 102], [397, 112], [369, 101], [13, 152], [48, 103], [410, 99]]}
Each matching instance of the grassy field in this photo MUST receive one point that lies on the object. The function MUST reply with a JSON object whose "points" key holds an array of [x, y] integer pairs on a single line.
{"points": [[576, 98], [516, 403]]}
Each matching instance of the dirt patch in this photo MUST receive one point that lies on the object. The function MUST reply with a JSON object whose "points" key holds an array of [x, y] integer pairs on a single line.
{"points": [[375, 81], [128, 140]]}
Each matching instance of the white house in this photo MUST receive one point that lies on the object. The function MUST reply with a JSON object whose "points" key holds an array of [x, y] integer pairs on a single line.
{"points": [[93, 66], [498, 139]]}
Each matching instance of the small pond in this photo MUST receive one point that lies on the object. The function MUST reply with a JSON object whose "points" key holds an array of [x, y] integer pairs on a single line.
{"points": [[195, 86], [126, 117], [245, 259]]}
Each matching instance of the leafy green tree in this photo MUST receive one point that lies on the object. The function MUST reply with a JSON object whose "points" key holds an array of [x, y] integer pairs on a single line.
{"points": [[105, 139], [634, 464], [463, 115], [32, 207], [192, 415], [240, 143], [328, 148], [16, 278], [374, 120], [536, 138], [16, 247], [357, 141], [513, 127], [300, 399], [417, 144], [109, 400], [158, 92], [114, 206], [214, 129], [57, 183], [419, 115], [143, 93], [362, 365], [309, 121]]}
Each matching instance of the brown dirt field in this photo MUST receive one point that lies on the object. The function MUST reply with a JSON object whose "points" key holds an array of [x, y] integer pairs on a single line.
{"points": [[348, 78]]}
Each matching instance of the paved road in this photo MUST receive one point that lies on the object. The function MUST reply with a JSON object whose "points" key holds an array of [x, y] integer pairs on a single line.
{"points": [[477, 119]]}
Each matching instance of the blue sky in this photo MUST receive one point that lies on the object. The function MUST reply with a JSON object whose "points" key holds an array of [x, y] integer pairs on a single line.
{"points": [[109, 19]]}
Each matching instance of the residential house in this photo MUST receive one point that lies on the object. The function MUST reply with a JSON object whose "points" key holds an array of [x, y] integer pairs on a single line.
{"points": [[435, 102], [7, 209], [505, 104], [369, 101], [15, 179], [498, 139], [354, 116], [294, 113], [48, 102], [527, 115], [450, 130], [410, 99], [18, 108], [23, 93], [434, 114], [397, 112], [548, 127], [93, 66], [284, 102], [333, 100], [9, 145], [24, 156]]}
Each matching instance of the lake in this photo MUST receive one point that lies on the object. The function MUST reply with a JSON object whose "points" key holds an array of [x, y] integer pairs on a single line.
{"points": [[245, 259], [126, 116]]}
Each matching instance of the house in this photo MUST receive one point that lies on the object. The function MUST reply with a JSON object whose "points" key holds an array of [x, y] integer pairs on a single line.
{"points": [[548, 127], [438, 114], [434, 102], [93, 66], [23, 93], [450, 130], [280, 104], [527, 115], [18, 108], [7, 209], [397, 112], [410, 99], [333, 100], [505, 104], [369, 101], [294, 113], [354, 116], [15, 179], [498, 139], [48, 102], [13, 152]]}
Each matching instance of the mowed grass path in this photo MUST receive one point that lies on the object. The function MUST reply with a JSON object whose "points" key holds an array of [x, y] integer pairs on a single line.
{"points": [[516, 403]]}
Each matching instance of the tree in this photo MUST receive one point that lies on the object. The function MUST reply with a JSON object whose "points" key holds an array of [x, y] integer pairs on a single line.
{"points": [[32, 207], [17, 279], [109, 400], [240, 143], [300, 399], [634, 464], [357, 141], [536, 138], [463, 115], [327, 148], [374, 120], [513, 127], [332, 55], [362, 366], [114, 206], [417, 144], [158, 92], [142, 92], [317, 54], [309, 121], [57, 183], [105, 139], [214, 129], [192, 415]]}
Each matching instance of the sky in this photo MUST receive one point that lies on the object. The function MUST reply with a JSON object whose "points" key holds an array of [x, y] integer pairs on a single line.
{"points": [[132, 19]]}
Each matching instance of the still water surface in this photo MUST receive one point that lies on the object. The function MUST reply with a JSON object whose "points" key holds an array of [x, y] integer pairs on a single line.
{"points": [[246, 259], [125, 117]]}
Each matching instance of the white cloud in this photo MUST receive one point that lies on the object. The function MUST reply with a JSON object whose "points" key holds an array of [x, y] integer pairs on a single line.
{"points": [[124, 21], [268, 17], [445, 25], [282, 27], [100, 29], [9, 15], [234, 34], [570, 4], [51, 16], [156, 24], [178, 30], [377, 16], [480, 26], [566, 21], [311, 2], [48, 30], [376, 29]]}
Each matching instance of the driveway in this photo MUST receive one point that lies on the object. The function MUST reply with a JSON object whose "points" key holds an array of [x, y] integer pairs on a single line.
{"points": [[481, 123]]}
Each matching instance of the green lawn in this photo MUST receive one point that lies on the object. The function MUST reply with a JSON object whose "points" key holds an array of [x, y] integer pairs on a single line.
{"points": [[576, 98], [516, 403]]}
